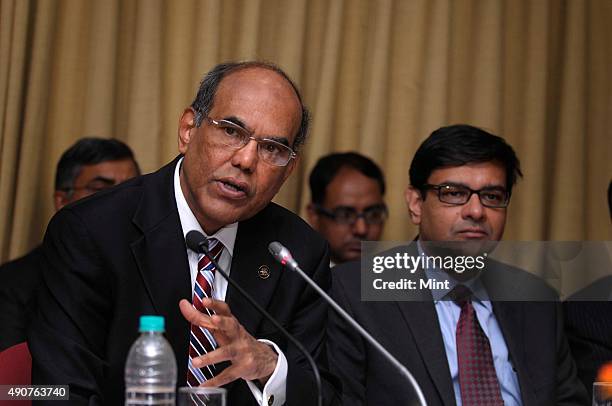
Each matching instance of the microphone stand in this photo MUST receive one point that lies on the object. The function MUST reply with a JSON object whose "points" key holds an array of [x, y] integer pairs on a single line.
{"points": [[203, 248], [288, 261]]}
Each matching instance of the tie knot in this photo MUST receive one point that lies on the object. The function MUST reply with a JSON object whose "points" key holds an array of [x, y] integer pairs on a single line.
{"points": [[212, 243], [460, 294], [215, 247]]}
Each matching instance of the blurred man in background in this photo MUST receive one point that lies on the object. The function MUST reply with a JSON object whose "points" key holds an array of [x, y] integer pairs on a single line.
{"points": [[347, 204], [588, 322], [87, 167]]}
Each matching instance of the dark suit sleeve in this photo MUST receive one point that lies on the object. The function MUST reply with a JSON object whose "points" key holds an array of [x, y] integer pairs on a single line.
{"points": [[570, 390], [19, 282], [67, 336], [589, 331], [308, 326], [346, 348]]}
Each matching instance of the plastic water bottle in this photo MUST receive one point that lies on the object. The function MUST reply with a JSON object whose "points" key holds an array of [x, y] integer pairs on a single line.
{"points": [[150, 369]]}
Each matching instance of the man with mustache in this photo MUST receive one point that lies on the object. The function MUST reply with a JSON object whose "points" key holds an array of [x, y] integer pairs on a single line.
{"points": [[347, 204], [89, 166], [462, 344], [115, 257]]}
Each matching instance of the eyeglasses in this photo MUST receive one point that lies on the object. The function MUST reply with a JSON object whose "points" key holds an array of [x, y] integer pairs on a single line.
{"points": [[233, 136], [374, 215], [95, 186], [493, 197]]}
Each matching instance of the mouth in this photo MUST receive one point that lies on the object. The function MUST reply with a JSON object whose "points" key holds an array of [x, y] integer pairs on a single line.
{"points": [[354, 246], [471, 233], [232, 188]]}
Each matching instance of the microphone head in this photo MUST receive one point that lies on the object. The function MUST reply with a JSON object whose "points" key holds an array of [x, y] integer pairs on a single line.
{"points": [[195, 240], [282, 254]]}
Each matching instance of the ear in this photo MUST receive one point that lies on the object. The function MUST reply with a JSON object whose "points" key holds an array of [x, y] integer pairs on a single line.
{"points": [[312, 216], [414, 202], [60, 199], [186, 129]]}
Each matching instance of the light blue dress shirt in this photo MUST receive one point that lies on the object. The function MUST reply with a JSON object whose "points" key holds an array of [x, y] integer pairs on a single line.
{"points": [[448, 316]]}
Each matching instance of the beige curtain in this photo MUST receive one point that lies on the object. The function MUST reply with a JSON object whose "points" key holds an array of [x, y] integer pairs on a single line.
{"points": [[379, 76]]}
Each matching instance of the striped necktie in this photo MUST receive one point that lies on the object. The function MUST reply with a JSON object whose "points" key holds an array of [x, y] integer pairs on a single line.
{"points": [[201, 341]]}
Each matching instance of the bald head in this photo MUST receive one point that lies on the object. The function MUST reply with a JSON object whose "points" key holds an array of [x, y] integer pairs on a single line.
{"points": [[206, 96]]}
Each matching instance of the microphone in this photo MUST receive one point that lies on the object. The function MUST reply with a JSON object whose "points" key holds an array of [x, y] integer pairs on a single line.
{"points": [[282, 255], [198, 243]]}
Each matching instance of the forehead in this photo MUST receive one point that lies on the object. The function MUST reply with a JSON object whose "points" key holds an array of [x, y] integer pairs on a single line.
{"points": [[352, 188], [119, 169], [262, 99], [473, 175]]}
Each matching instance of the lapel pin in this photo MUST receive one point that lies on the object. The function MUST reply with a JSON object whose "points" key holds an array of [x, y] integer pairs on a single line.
{"points": [[263, 272]]}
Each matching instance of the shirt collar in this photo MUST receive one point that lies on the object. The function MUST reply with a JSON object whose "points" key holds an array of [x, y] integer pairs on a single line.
{"points": [[226, 235], [475, 284]]}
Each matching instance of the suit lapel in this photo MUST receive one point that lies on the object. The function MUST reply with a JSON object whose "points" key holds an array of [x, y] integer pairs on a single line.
{"points": [[422, 320], [161, 256], [510, 317], [500, 285], [254, 269]]}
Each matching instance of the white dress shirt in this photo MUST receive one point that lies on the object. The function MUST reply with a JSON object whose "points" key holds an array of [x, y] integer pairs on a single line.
{"points": [[275, 388]]}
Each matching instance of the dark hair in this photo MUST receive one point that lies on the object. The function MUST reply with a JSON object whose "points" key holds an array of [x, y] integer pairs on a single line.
{"points": [[458, 145], [203, 102], [89, 151], [328, 166]]}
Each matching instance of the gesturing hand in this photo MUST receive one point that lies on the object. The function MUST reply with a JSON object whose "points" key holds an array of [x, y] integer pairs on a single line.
{"points": [[250, 358]]}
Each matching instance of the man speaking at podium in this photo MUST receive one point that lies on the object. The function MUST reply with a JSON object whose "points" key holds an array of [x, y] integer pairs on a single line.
{"points": [[122, 254]]}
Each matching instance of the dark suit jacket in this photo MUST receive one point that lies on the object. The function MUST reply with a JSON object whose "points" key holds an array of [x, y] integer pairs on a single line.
{"points": [[119, 254], [589, 328], [19, 280], [410, 331]]}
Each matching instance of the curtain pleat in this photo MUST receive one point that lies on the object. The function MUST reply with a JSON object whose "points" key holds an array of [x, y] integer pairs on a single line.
{"points": [[378, 76]]}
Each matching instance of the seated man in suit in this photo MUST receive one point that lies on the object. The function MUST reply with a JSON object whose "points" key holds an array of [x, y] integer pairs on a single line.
{"points": [[588, 320], [88, 166], [347, 204], [122, 254], [461, 182]]}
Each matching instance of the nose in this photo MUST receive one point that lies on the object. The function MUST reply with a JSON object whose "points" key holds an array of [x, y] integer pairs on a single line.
{"points": [[360, 228], [246, 157], [473, 209]]}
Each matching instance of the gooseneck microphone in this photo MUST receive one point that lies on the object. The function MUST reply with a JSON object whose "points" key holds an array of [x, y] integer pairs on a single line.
{"points": [[197, 242], [282, 255]]}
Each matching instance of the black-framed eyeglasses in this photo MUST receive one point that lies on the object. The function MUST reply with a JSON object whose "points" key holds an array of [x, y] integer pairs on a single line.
{"points": [[373, 215], [92, 187], [493, 197], [234, 136]]}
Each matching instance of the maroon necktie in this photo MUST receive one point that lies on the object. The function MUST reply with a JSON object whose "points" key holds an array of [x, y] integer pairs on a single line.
{"points": [[477, 377]]}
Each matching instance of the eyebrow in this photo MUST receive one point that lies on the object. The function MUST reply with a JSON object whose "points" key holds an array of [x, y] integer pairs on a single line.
{"points": [[487, 186], [240, 123], [102, 179]]}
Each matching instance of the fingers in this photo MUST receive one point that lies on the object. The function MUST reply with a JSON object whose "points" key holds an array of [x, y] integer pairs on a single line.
{"points": [[250, 358], [214, 357], [223, 321], [219, 306], [250, 361], [226, 376], [193, 316]]}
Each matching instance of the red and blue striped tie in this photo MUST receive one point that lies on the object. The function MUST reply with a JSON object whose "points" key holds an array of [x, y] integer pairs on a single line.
{"points": [[201, 341]]}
